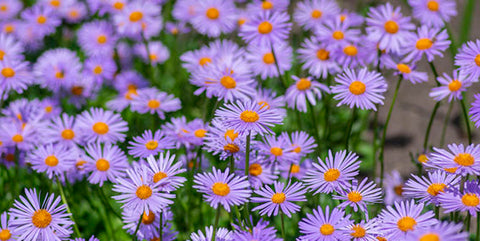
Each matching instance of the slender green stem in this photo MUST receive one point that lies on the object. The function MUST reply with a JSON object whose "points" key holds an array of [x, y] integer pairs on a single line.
{"points": [[467, 120], [215, 225], [349, 127], [478, 227], [315, 126], [429, 127], [445, 123], [283, 226], [453, 45], [64, 199], [134, 237], [467, 221], [437, 212], [326, 98], [467, 20], [435, 72], [385, 128], [284, 83], [161, 227], [374, 144], [247, 155], [232, 164]]}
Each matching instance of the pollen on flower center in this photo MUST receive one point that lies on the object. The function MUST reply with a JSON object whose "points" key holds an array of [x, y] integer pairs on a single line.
{"points": [[205, 60], [327, 229], [51, 161], [148, 219], [118, 5], [338, 35], [249, 116], [433, 5], [295, 169], [358, 231], [143, 192], [232, 148], [450, 170], [406, 223], [159, 176], [391, 27], [100, 128], [455, 85], [354, 196], [470, 199], [153, 104], [323, 54], [98, 69], [151, 145], [297, 149], [424, 43], [316, 14], [3, 8], [303, 84], [17, 138], [8, 72], [212, 13], [228, 82], [429, 237], [464, 159], [435, 188], [268, 58], [231, 134], [41, 19], [41, 218], [5, 234], [135, 16], [265, 27], [59, 75], [331, 175], [102, 165], [357, 87], [221, 189], [267, 5], [278, 197], [477, 60], [48, 109], [350, 50], [276, 151], [255, 169], [200, 133], [102, 39]]}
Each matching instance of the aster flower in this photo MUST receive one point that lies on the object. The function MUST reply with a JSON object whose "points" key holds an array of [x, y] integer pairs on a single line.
{"points": [[62, 130], [352, 18], [139, 194], [463, 160], [226, 142], [475, 111], [393, 184], [165, 171], [316, 58], [451, 87], [176, 129], [101, 68], [129, 80], [361, 90], [280, 198], [151, 100], [214, 17], [157, 52], [261, 231], [10, 8], [53, 160], [406, 70], [311, 13], [199, 58], [5, 227], [359, 195], [23, 137], [364, 231], [34, 219], [453, 199], [97, 38], [325, 226], [42, 18], [74, 12], [149, 144], [295, 170], [304, 89], [101, 125], [427, 41], [266, 28], [135, 16], [333, 174], [428, 188], [185, 10], [148, 228], [388, 27], [300, 141], [268, 5], [433, 12], [10, 48], [55, 68], [275, 150], [404, 217], [259, 173], [81, 89], [249, 117], [269, 99], [262, 59], [222, 188], [221, 234], [335, 33], [468, 59], [104, 163], [15, 75]]}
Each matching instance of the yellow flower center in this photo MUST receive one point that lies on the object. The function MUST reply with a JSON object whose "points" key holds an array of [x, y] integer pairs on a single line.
{"points": [[212, 13], [303, 84], [266, 5], [51, 161], [316, 14], [153, 104], [55, 3], [231, 134], [265, 27], [159, 176], [276, 151], [228, 82], [221, 189], [9, 28], [350, 50], [268, 58], [129, 94], [143, 192], [429, 237], [338, 35], [249, 116], [343, 17], [435, 188], [278, 197], [263, 104], [200, 133], [241, 21], [2, 54], [470, 199], [118, 5], [73, 14], [422, 158], [455, 85], [3, 8], [354, 196], [232, 148], [41, 19], [100, 128], [357, 87], [151, 145], [17, 138], [424, 43], [391, 27], [148, 219], [433, 5], [102, 39], [153, 57], [205, 60], [59, 75], [135, 16], [41, 218], [358, 231], [297, 149], [80, 164], [450, 170], [404, 68], [255, 169], [327, 229], [295, 169], [8, 72], [323, 54], [477, 59], [102, 165], [98, 69], [406, 223], [331, 175], [5, 234], [48, 109], [464, 159]]}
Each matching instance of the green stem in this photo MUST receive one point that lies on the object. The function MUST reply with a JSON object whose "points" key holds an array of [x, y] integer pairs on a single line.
{"points": [[385, 128], [314, 123], [453, 45], [215, 225], [478, 226], [326, 132], [429, 127], [467, 20], [445, 124], [232, 164], [161, 227], [349, 127], [285, 84], [290, 172], [437, 212], [247, 155], [374, 144], [283, 226], [467, 121], [434, 71], [134, 237], [64, 199], [467, 221]]}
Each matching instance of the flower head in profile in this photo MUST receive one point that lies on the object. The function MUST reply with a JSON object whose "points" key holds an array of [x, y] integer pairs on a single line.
{"points": [[405, 69], [104, 163], [224, 141], [303, 90], [98, 125], [468, 59], [433, 13], [266, 28], [325, 225], [466, 200], [280, 198], [451, 87], [164, 170]]}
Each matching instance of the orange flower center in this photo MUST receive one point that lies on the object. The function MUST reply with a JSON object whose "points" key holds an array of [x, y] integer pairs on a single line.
{"points": [[435, 188], [228, 82], [135, 16], [354, 196], [433, 6], [404, 68], [151, 145], [424, 43], [232, 148], [391, 27], [358, 231], [327, 229], [266, 5], [268, 58], [316, 14], [303, 84], [276, 151], [249, 116], [278, 197], [350, 50], [357, 87], [331, 175], [41, 218], [221, 189], [102, 165], [455, 85], [338, 35], [51, 161], [255, 169], [148, 219], [212, 13], [159, 176], [406, 223], [143, 192], [100, 128], [8, 72], [464, 159], [470, 200], [323, 54], [265, 27]]}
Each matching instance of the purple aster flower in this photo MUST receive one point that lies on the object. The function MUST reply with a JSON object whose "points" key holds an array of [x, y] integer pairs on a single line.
{"points": [[165, 171], [433, 12], [149, 144], [158, 53], [325, 226], [81, 89], [266, 28], [333, 174], [351, 55], [55, 68], [226, 142], [279, 198], [406, 217], [135, 16], [197, 130], [428, 41], [300, 142], [195, 59], [268, 5], [407, 70], [104, 163], [23, 137], [335, 33], [359, 195], [387, 26], [6, 232], [214, 17], [15, 75], [291, 169], [33, 219], [249, 117], [176, 28], [63, 130], [129, 80], [42, 18], [262, 60], [463, 160], [10, 8], [393, 184], [428, 188], [185, 10], [74, 12], [316, 59], [177, 130], [221, 234], [311, 13], [151, 100], [451, 87], [304, 89], [453, 199], [261, 231], [10, 48], [361, 90], [352, 18], [97, 38], [468, 59], [148, 228], [364, 231], [259, 173], [475, 111], [227, 51], [222, 188], [53, 160], [275, 150], [441, 231], [101, 68], [101, 125], [269, 99], [139, 194]]}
